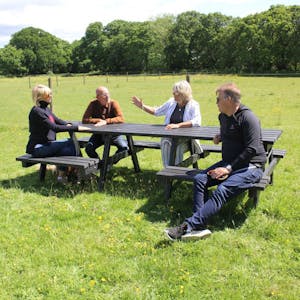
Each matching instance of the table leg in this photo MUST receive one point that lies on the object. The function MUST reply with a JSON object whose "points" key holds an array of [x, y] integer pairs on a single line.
{"points": [[104, 163], [193, 151], [173, 152], [270, 158], [168, 183], [133, 153], [76, 144]]}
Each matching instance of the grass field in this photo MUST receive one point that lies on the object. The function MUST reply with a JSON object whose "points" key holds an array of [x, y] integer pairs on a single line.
{"points": [[73, 242]]}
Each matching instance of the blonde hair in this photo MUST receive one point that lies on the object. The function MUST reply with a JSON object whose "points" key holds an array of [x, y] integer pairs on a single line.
{"points": [[184, 89], [40, 92]]}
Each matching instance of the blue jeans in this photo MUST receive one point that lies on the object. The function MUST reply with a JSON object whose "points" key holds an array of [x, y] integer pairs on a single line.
{"points": [[236, 183], [97, 140], [63, 147]]}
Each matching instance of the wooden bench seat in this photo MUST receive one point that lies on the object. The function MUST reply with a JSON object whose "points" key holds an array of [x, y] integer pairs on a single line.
{"points": [[85, 166], [137, 143], [182, 173]]}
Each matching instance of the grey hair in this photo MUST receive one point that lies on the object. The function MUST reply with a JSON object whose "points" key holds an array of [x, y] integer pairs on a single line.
{"points": [[231, 90]]}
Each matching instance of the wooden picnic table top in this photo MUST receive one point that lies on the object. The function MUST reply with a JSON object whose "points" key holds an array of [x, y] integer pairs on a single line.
{"points": [[269, 136]]}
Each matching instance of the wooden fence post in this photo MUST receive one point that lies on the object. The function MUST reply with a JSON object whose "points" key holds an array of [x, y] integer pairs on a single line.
{"points": [[187, 77], [50, 86]]}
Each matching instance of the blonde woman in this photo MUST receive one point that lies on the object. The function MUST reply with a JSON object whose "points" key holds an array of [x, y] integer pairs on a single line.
{"points": [[180, 111], [43, 126]]}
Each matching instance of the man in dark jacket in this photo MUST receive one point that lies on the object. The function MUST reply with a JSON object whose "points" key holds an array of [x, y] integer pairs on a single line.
{"points": [[243, 158]]}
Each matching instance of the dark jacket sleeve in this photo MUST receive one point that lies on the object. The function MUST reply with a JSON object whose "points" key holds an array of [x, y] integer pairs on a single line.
{"points": [[252, 136]]}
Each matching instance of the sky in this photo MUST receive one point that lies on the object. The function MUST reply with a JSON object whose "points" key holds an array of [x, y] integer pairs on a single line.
{"points": [[69, 19]]}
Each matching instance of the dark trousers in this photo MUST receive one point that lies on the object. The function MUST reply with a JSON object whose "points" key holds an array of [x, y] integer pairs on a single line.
{"points": [[205, 206], [97, 140]]}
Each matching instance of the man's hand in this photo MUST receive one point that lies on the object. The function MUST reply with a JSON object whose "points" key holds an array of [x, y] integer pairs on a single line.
{"points": [[218, 173], [83, 128], [217, 139]]}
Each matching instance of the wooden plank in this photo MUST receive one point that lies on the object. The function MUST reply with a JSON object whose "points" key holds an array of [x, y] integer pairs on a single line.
{"points": [[60, 160], [146, 144], [137, 143]]}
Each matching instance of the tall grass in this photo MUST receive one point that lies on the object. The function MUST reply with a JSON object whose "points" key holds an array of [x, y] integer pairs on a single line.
{"points": [[73, 242]]}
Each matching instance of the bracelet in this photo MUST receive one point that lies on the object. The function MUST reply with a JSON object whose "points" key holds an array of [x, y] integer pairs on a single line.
{"points": [[142, 107]]}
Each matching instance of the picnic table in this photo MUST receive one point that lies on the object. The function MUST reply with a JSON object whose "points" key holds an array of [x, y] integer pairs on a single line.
{"points": [[88, 166], [203, 133]]}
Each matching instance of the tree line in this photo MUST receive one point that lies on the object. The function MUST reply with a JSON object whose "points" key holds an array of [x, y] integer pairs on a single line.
{"points": [[191, 41]]}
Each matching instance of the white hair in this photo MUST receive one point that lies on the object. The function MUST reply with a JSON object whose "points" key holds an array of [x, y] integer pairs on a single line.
{"points": [[184, 89]]}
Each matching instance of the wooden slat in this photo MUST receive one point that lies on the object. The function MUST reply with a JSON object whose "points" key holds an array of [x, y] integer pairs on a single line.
{"points": [[279, 153], [60, 160], [146, 144]]}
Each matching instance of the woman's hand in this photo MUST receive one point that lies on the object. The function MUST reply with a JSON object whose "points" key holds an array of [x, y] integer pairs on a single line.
{"points": [[172, 126], [137, 102], [101, 123]]}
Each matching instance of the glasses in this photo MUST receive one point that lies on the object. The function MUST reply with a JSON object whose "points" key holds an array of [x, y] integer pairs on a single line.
{"points": [[102, 95], [218, 99]]}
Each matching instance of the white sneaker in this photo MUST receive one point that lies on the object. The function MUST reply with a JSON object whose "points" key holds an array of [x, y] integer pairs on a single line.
{"points": [[196, 235]]}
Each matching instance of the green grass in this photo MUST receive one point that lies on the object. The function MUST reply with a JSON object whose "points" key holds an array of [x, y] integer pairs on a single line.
{"points": [[76, 243]]}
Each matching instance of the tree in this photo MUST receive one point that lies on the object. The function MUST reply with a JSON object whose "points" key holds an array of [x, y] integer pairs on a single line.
{"points": [[177, 50], [281, 27], [11, 61], [242, 48], [127, 46], [264, 42], [159, 31], [294, 46], [43, 52], [204, 41], [90, 49]]}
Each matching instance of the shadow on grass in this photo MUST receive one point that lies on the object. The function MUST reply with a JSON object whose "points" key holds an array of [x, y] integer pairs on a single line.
{"points": [[30, 183], [124, 182]]}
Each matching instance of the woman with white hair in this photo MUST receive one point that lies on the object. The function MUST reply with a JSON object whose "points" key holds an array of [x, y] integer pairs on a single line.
{"points": [[180, 111]]}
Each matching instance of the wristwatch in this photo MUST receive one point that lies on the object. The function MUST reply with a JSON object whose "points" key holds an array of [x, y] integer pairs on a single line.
{"points": [[229, 168]]}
